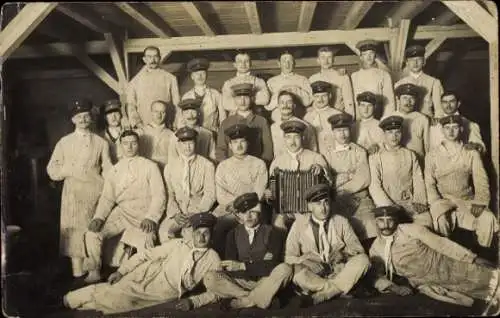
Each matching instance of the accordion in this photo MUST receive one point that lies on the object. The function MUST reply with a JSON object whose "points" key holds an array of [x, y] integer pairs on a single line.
{"points": [[289, 188]]}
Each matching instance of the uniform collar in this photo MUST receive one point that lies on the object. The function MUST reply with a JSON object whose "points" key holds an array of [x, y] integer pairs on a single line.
{"points": [[249, 73], [416, 75], [250, 115], [254, 229], [295, 154], [154, 125], [339, 148], [82, 133]]}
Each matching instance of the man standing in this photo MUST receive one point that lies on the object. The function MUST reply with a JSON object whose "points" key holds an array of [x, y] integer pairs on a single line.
{"points": [[327, 256], [396, 175], [349, 163], [371, 78], [340, 84], [79, 159], [457, 186], [366, 130], [113, 130], [242, 64], [211, 111], [253, 272], [260, 140], [133, 197], [152, 83], [431, 87], [155, 276], [190, 186]]}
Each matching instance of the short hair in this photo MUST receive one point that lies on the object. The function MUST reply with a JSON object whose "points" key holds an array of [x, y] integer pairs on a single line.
{"points": [[241, 53], [151, 47], [127, 133], [286, 93], [286, 53], [160, 102], [325, 49], [451, 92]]}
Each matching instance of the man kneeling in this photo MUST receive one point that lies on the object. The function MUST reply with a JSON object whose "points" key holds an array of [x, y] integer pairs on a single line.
{"points": [[155, 276], [252, 271]]}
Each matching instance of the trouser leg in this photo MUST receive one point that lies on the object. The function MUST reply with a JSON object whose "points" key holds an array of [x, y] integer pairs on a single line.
{"points": [[486, 227], [355, 268], [223, 286], [267, 287], [307, 280], [77, 266], [82, 298]]}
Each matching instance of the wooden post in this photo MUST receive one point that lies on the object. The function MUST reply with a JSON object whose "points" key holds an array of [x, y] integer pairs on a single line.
{"points": [[397, 47], [495, 127]]}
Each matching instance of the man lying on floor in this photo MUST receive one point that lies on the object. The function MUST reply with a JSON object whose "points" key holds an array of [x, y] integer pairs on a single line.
{"points": [[155, 276], [436, 266]]}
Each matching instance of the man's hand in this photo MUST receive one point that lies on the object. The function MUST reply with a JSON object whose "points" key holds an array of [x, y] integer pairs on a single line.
{"points": [[474, 146], [184, 304], [115, 277], [150, 240], [434, 121], [373, 149], [232, 266], [181, 219], [315, 267], [401, 290], [96, 225], [148, 226], [419, 207], [477, 210], [268, 195], [483, 262], [316, 169]]}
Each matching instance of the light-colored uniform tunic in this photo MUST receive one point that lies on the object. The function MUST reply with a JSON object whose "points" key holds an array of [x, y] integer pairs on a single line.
{"points": [[415, 133], [297, 84], [471, 133], [204, 146], [156, 143], [261, 96], [308, 136], [318, 118], [366, 133], [211, 111], [342, 89], [432, 89]]}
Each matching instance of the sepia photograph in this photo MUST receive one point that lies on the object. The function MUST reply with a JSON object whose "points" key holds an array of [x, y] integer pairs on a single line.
{"points": [[250, 159]]}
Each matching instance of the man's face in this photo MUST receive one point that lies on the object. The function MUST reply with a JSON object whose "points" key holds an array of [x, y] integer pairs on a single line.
{"points": [[366, 110], [242, 63], [242, 102], [187, 147], [286, 63], [452, 131], [321, 100], [250, 218], [386, 225], [190, 117], [202, 237], [113, 119], [320, 209], [368, 57], [199, 77], [293, 141], [415, 64], [286, 105], [406, 103], [393, 137], [159, 113], [450, 104], [151, 58], [130, 146], [82, 120], [239, 146], [325, 60], [342, 135]]}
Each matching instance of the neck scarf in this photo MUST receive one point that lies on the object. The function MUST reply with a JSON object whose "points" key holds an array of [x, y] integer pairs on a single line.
{"points": [[186, 180], [389, 269], [295, 159], [324, 245], [186, 277]]}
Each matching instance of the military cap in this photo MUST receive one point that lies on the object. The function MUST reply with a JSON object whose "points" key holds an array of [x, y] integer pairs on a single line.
{"points": [[112, 105], [204, 219], [190, 103], [391, 122], [368, 97], [414, 51], [293, 126], [186, 133], [317, 192], [389, 210], [406, 89], [80, 106], [200, 64], [321, 87], [340, 120], [247, 201], [237, 131], [367, 45], [451, 119], [243, 89]]}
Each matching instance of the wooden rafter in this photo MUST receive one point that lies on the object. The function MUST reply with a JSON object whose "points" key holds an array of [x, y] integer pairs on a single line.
{"points": [[356, 13], [433, 45], [397, 46], [147, 17], [253, 16], [165, 55], [22, 25], [306, 15], [494, 114], [426, 32], [116, 52], [492, 8], [445, 18], [200, 21], [408, 10], [85, 17]]}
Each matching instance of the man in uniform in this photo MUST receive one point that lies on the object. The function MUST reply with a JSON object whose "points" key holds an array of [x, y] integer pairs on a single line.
{"points": [[133, 197], [327, 256], [340, 83], [319, 114], [366, 130], [260, 140], [190, 182], [253, 269], [430, 86], [150, 84], [349, 163], [457, 186], [371, 78], [113, 128], [211, 111], [242, 64], [396, 175]]}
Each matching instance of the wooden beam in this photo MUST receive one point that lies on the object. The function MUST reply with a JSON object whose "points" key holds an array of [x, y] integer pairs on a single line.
{"points": [[253, 16], [116, 52], [98, 71], [495, 127], [85, 17], [445, 18], [147, 17], [398, 45], [476, 17], [356, 13], [306, 15], [491, 7], [433, 45], [195, 14], [22, 25], [408, 10], [426, 32]]}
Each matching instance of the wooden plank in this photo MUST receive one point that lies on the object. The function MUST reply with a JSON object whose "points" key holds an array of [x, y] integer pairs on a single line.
{"points": [[85, 17], [165, 55], [445, 18], [116, 53], [398, 47], [426, 32], [495, 126], [433, 45], [98, 71], [356, 13], [147, 17], [253, 16], [22, 25], [408, 10], [491, 7], [306, 15], [195, 14], [476, 17]]}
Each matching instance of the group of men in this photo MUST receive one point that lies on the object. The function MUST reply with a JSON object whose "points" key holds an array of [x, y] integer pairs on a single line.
{"points": [[402, 169]]}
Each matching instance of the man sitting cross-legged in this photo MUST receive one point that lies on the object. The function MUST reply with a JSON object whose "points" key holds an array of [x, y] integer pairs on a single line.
{"points": [[253, 272]]}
